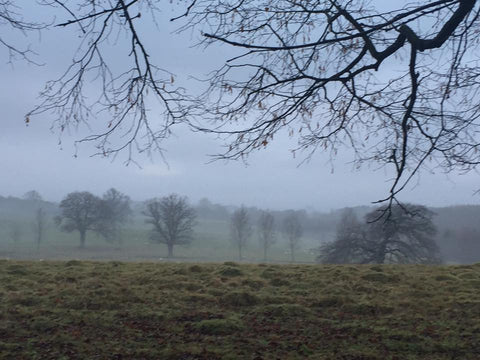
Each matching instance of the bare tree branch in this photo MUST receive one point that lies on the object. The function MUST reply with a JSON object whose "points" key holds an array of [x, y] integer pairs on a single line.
{"points": [[123, 97], [12, 20], [399, 86], [337, 74]]}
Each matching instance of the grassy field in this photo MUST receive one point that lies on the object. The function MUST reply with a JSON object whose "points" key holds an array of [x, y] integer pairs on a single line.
{"points": [[114, 310], [211, 242]]}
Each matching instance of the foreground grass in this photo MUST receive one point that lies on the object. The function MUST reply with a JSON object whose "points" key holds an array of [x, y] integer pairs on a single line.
{"points": [[89, 310]]}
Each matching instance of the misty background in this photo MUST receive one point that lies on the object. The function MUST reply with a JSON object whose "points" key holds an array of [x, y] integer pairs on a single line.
{"points": [[36, 157], [457, 235]]}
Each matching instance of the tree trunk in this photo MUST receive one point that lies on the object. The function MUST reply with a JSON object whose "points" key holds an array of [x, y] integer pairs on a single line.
{"points": [[292, 253], [380, 258], [39, 239], [265, 253], [82, 238], [170, 250], [239, 252], [381, 254]]}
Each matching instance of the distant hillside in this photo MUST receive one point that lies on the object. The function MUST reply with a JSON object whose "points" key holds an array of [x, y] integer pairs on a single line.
{"points": [[12, 208]]}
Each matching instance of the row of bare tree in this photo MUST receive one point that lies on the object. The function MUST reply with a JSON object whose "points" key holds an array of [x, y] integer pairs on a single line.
{"points": [[403, 234], [241, 231], [171, 216]]}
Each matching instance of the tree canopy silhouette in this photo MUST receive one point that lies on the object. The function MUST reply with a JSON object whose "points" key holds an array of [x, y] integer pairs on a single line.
{"points": [[80, 211], [405, 235], [173, 220]]}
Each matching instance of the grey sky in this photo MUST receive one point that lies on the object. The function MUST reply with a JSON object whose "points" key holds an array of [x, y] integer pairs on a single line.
{"points": [[32, 159]]}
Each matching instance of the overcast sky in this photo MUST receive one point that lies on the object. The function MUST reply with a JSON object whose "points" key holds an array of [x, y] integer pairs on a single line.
{"points": [[32, 158]]}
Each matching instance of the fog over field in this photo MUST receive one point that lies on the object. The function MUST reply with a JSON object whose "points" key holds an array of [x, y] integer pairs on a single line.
{"points": [[457, 233]]}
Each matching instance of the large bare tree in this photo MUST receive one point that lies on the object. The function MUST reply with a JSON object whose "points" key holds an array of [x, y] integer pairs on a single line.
{"points": [[80, 211], [397, 82], [407, 237], [114, 213], [347, 246], [173, 220]]}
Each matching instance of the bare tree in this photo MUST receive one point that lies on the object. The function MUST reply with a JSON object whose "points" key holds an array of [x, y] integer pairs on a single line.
{"points": [[266, 231], [395, 82], [240, 229], [292, 230], [173, 220], [347, 246], [79, 212], [406, 235], [39, 226], [114, 213]]}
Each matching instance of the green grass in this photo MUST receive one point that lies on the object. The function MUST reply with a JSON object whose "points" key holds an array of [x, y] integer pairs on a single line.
{"points": [[211, 242], [115, 310]]}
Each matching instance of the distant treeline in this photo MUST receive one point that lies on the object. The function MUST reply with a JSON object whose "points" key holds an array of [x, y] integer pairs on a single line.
{"points": [[458, 226]]}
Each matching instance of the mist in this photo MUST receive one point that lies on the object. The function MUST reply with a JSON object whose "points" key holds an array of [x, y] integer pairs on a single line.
{"points": [[457, 229]]}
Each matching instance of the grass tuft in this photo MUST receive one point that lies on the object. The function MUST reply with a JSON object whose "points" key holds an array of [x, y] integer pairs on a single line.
{"points": [[240, 298], [284, 311], [230, 263], [253, 283], [219, 326], [231, 272], [446, 277], [73, 263], [279, 282], [16, 270], [195, 269], [381, 278]]}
